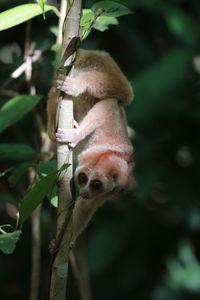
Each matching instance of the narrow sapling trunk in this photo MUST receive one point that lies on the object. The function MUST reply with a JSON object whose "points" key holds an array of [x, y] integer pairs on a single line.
{"points": [[64, 155]]}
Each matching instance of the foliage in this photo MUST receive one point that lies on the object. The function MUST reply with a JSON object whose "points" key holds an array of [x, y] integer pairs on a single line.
{"points": [[146, 245]]}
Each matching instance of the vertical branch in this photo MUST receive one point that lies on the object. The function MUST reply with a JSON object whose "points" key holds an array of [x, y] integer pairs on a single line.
{"points": [[65, 202], [35, 219]]}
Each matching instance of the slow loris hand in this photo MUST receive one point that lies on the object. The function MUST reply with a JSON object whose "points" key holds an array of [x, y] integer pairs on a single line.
{"points": [[67, 136], [70, 86], [70, 135]]}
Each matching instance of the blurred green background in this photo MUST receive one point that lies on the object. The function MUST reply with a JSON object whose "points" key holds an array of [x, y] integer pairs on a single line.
{"points": [[146, 246]]}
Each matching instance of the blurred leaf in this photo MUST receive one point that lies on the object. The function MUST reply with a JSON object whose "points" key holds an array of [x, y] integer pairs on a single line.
{"points": [[111, 9], [106, 244], [44, 169], [54, 30], [180, 23], [8, 241], [8, 197], [19, 171], [194, 219], [16, 152], [13, 110], [152, 85], [5, 172], [184, 271], [35, 196], [20, 14]]}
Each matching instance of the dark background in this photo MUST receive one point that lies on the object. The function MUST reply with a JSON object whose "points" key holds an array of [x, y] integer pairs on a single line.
{"points": [[146, 246]]}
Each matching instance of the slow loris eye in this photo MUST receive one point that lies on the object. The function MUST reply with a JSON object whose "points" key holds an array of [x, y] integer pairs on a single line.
{"points": [[82, 178], [96, 184]]}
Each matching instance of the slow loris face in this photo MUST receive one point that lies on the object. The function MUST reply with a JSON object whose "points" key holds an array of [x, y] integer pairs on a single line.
{"points": [[101, 178], [92, 185]]}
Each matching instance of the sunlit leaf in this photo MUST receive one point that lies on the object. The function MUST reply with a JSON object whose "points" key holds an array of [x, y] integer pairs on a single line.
{"points": [[20, 14]]}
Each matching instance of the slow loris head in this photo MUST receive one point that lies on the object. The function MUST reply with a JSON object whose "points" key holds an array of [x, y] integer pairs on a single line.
{"points": [[102, 176]]}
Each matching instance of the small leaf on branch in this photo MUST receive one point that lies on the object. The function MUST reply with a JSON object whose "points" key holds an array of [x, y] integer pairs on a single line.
{"points": [[90, 20], [103, 22], [8, 241], [111, 9]]}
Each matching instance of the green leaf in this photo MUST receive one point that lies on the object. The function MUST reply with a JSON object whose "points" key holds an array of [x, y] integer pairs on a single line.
{"points": [[53, 196], [87, 17], [35, 196], [41, 4], [17, 152], [54, 30], [54, 201], [86, 22], [103, 22], [89, 21], [111, 9], [13, 110], [20, 14], [8, 241]]}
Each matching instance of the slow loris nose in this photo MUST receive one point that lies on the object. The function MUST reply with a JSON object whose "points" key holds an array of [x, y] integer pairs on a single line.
{"points": [[84, 195]]}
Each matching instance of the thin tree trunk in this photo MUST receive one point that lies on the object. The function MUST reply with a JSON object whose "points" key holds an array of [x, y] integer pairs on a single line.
{"points": [[64, 155]]}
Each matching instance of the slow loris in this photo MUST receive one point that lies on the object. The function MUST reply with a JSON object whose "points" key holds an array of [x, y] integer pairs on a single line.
{"points": [[105, 160]]}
